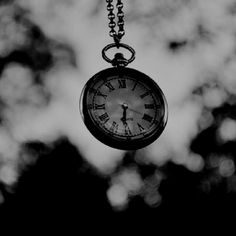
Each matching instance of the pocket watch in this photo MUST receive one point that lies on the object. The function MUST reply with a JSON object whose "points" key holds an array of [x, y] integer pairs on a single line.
{"points": [[123, 107]]}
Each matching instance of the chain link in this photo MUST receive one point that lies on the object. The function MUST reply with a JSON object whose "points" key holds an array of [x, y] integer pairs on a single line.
{"points": [[117, 21], [120, 20]]}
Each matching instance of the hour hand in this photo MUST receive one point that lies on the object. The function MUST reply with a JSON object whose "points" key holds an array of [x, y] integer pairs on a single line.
{"points": [[124, 117]]}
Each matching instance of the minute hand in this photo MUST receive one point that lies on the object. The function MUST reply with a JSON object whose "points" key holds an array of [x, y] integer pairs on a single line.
{"points": [[138, 112]]}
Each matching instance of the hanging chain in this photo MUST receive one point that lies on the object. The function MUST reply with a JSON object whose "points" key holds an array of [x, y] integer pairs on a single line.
{"points": [[120, 20], [119, 60]]}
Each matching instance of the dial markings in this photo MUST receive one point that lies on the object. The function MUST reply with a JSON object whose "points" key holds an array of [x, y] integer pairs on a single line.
{"points": [[97, 92], [147, 117], [127, 130], [141, 128], [144, 95], [114, 127], [141, 116], [134, 86], [99, 106], [110, 86], [149, 106], [104, 118], [101, 94], [122, 83]]}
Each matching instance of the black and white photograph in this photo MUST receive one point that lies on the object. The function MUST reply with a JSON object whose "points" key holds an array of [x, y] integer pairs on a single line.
{"points": [[117, 115]]}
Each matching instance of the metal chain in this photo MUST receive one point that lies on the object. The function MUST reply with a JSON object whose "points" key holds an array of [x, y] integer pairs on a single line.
{"points": [[120, 20], [119, 60]]}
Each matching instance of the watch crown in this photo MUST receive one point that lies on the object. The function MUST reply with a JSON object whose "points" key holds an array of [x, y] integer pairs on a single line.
{"points": [[119, 60]]}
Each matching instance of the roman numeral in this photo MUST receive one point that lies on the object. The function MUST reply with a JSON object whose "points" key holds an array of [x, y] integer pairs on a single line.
{"points": [[149, 106], [141, 129], [134, 86], [104, 118], [144, 95], [127, 130], [109, 86], [99, 106], [101, 94], [147, 118], [114, 127], [122, 83]]}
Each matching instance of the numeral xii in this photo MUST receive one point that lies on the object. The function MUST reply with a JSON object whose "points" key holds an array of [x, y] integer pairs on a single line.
{"points": [[122, 83]]}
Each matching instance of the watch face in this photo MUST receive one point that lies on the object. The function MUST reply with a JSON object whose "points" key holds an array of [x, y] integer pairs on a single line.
{"points": [[123, 108]]}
